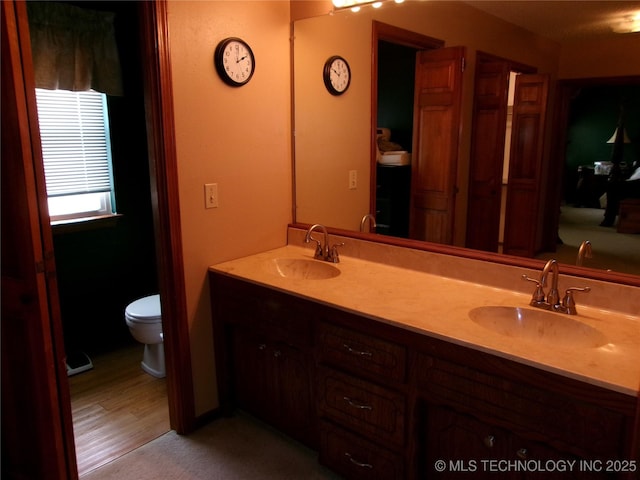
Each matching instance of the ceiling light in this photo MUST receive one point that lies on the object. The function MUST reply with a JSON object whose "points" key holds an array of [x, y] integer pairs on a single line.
{"points": [[629, 23], [355, 5]]}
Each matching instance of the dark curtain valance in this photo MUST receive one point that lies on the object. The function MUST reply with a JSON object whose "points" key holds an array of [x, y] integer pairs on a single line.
{"points": [[74, 48]]}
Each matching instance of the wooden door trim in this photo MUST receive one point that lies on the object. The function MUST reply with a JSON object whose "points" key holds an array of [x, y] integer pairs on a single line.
{"points": [[163, 166], [37, 426]]}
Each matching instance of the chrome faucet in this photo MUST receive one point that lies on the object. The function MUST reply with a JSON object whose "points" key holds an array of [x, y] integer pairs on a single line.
{"points": [[372, 222], [553, 297], [551, 301], [585, 251], [323, 251]]}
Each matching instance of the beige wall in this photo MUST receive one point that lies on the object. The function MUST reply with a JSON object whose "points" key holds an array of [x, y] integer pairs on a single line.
{"points": [[601, 58], [238, 138]]}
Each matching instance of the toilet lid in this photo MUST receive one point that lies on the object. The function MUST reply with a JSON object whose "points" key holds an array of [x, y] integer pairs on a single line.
{"points": [[146, 309]]}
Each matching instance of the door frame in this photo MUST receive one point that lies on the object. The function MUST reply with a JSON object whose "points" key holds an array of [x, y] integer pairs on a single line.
{"points": [[36, 409], [566, 89], [399, 36], [60, 451], [163, 165]]}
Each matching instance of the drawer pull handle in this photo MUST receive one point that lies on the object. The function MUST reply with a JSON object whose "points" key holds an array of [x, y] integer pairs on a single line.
{"points": [[262, 346], [357, 352], [522, 453], [489, 441], [357, 463], [357, 405]]}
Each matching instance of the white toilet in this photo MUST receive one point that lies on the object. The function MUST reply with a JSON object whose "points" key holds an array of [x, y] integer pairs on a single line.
{"points": [[144, 319]]}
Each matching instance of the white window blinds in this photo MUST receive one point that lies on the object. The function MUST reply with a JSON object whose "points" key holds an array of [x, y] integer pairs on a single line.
{"points": [[76, 150]]}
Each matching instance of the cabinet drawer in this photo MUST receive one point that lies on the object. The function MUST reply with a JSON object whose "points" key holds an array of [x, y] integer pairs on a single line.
{"points": [[355, 458], [363, 406], [359, 353], [567, 421]]}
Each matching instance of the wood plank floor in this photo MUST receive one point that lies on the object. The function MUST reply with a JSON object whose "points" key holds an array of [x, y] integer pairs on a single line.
{"points": [[116, 408]]}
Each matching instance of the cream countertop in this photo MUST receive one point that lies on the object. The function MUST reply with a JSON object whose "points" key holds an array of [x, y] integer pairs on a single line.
{"points": [[438, 306]]}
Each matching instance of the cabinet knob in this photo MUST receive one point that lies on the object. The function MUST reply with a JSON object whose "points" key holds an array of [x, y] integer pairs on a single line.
{"points": [[522, 453], [356, 462], [262, 346], [277, 353], [489, 441]]}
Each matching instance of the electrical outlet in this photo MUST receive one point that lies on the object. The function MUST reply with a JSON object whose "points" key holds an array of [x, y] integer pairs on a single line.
{"points": [[353, 179], [211, 195]]}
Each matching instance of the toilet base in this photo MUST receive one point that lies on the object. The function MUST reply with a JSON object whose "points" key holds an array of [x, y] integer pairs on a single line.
{"points": [[153, 360]]}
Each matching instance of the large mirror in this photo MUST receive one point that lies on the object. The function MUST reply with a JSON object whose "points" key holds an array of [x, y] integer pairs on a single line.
{"points": [[337, 177]]}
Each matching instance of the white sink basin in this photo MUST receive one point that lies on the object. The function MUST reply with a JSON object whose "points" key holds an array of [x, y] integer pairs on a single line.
{"points": [[302, 268], [538, 325]]}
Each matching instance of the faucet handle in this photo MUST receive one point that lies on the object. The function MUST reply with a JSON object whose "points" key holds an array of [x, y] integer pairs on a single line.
{"points": [[568, 303], [333, 253], [538, 295], [319, 253]]}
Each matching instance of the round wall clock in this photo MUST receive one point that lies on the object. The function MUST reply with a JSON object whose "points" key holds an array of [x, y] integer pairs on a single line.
{"points": [[336, 75], [234, 61]]}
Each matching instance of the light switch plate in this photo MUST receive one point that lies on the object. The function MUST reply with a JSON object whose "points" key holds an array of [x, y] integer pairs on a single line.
{"points": [[211, 195], [353, 179]]}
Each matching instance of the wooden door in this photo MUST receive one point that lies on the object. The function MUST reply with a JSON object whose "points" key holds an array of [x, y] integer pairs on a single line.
{"points": [[522, 216], [487, 153], [438, 96], [37, 431]]}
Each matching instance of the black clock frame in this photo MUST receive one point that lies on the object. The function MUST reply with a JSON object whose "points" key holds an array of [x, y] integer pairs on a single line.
{"points": [[218, 60], [326, 75]]}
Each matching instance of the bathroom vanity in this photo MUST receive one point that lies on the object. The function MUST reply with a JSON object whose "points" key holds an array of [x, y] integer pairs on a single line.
{"points": [[382, 371]]}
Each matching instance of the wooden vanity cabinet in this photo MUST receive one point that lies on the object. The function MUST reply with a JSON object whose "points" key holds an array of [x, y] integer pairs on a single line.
{"points": [[475, 406], [383, 402], [264, 354]]}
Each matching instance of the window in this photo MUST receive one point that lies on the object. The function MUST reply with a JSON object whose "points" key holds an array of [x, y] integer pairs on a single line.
{"points": [[76, 149]]}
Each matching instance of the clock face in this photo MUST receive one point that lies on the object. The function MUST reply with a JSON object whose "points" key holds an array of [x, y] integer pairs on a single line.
{"points": [[234, 61], [337, 75]]}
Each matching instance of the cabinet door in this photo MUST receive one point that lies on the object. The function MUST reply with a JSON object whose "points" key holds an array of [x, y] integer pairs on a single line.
{"points": [[272, 380], [458, 444], [294, 397], [254, 379]]}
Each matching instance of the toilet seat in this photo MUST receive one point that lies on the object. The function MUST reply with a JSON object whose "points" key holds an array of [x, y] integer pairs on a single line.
{"points": [[145, 310]]}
